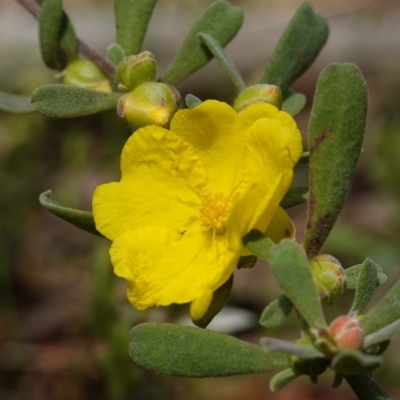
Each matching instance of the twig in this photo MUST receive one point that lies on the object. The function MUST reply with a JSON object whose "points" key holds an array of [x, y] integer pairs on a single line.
{"points": [[84, 48]]}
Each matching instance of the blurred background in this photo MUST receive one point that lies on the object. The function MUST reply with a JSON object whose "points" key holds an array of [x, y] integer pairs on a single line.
{"points": [[64, 316]]}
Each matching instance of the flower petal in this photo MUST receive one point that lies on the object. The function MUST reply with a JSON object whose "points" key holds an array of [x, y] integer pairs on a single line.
{"points": [[164, 267], [160, 173]]}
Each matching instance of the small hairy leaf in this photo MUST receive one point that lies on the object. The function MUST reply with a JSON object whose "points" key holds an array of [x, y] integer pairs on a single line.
{"points": [[385, 312], [383, 334], [191, 352], [222, 21], [258, 243], [291, 269], [298, 47], [282, 346], [294, 197], [70, 101], [276, 312], [294, 103], [81, 219], [366, 388], [335, 137], [192, 101], [15, 103], [115, 54], [281, 379], [132, 18], [352, 362], [353, 273]]}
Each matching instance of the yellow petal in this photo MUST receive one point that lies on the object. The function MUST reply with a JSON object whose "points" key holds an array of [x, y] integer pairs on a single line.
{"points": [[280, 226], [160, 174], [199, 306], [164, 267]]}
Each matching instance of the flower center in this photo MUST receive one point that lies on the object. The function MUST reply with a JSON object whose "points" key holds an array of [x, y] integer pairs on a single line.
{"points": [[214, 210]]}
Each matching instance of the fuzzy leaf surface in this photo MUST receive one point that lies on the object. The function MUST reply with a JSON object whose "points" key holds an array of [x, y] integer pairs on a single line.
{"points": [[351, 362], [294, 197], [16, 103], [282, 346], [353, 273], [115, 54], [294, 103], [276, 312], [281, 379], [383, 334], [258, 243]]}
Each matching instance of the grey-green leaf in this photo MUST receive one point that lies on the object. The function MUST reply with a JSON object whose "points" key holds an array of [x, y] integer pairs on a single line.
{"points": [[191, 352], [352, 362], [366, 388], [298, 47], [222, 21], [281, 379], [58, 42], [115, 54], [132, 18], [294, 197], [219, 299], [385, 312], [383, 334], [258, 243], [282, 346], [335, 137], [16, 103], [69, 101], [294, 103], [276, 312], [367, 282], [81, 219], [291, 269], [192, 101], [353, 273]]}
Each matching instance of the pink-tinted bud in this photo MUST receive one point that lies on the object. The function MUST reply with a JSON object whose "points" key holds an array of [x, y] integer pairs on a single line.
{"points": [[347, 332]]}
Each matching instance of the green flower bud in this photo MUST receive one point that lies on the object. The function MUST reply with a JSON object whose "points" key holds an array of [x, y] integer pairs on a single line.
{"points": [[328, 276], [151, 103], [347, 332], [255, 94], [135, 70], [85, 74]]}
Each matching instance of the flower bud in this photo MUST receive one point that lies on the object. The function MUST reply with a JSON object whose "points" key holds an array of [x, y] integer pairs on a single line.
{"points": [[135, 70], [255, 94], [151, 103], [328, 276], [347, 332], [85, 74]]}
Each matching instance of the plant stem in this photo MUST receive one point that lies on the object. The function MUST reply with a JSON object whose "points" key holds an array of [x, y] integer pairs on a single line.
{"points": [[366, 388], [84, 48]]}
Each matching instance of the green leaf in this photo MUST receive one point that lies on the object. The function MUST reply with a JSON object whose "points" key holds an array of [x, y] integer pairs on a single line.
{"points": [[191, 352], [192, 101], [291, 269], [15, 103], [294, 197], [294, 103], [246, 262], [258, 243], [70, 101], [81, 219], [223, 60], [304, 158], [282, 346], [58, 42], [276, 312], [353, 273], [220, 298], [366, 388], [336, 132], [351, 362], [367, 282], [222, 21], [385, 312], [281, 379], [298, 47], [132, 18], [383, 334], [115, 54]]}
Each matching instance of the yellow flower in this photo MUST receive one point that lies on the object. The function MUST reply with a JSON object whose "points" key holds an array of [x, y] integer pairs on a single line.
{"points": [[188, 195]]}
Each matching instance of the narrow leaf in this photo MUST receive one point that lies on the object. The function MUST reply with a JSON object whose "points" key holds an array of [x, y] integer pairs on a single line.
{"points": [[366, 388], [223, 60], [258, 243], [367, 282], [276, 312], [291, 269], [192, 101], [115, 54], [385, 312], [353, 273], [282, 346], [336, 132], [222, 21], [352, 362], [81, 219], [132, 18], [298, 47], [191, 352], [220, 298], [15, 103], [69, 101], [294, 197], [304, 158], [294, 103], [281, 379], [383, 334]]}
